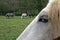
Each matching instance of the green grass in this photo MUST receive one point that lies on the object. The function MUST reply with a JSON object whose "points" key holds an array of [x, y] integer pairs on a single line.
{"points": [[11, 28]]}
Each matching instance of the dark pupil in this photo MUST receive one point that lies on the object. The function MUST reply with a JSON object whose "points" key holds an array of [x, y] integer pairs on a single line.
{"points": [[43, 20]]}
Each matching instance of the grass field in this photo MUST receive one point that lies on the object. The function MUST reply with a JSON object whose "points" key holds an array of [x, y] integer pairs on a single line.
{"points": [[11, 28]]}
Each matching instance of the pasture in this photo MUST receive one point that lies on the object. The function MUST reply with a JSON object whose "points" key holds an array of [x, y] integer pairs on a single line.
{"points": [[12, 27]]}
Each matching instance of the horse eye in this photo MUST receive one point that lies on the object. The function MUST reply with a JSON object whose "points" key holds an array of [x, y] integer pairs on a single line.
{"points": [[43, 19]]}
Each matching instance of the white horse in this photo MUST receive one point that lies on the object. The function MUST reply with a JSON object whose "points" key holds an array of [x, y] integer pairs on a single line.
{"points": [[23, 15], [40, 28]]}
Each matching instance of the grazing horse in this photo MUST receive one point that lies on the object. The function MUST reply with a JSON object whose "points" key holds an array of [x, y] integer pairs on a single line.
{"points": [[10, 15], [46, 26], [23, 15]]}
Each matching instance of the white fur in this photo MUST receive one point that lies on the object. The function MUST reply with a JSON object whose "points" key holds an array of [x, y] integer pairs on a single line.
{"points": [[23, 15]]}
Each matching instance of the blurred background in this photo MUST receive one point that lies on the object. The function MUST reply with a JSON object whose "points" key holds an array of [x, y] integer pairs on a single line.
{"points": [[15, 15]]}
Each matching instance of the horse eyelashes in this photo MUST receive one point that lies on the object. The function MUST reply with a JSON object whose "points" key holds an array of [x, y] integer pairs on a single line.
{"points": [[43, 19]]}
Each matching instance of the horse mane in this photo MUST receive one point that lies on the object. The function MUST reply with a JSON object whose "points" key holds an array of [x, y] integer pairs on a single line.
{"points": [[54, 18]]}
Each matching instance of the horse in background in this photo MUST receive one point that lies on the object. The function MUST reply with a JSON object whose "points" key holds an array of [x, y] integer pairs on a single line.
{"points": [[23, 15], [46, 25], [8, 15]]}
